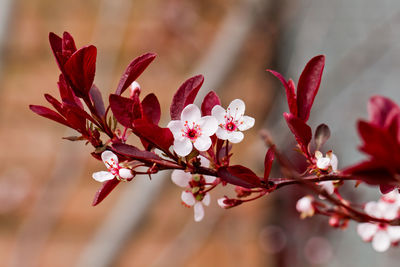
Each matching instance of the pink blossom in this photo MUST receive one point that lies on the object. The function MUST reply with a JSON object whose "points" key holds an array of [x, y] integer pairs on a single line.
{"points": [[114, 169]]}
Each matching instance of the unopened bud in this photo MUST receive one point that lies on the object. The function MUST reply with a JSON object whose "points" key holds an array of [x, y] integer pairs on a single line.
{"points": [[134, 89]]}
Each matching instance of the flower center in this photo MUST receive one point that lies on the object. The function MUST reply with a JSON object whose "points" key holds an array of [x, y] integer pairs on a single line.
{"points": [[191, 131], [113, 167], [230, 124]]}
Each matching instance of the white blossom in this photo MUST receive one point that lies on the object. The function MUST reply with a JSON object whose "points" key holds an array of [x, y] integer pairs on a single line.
{"points": [[305, 206], [114, 168]]}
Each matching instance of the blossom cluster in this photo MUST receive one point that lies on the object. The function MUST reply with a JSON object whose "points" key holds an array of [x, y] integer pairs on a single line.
{"points": [[197, 143]]}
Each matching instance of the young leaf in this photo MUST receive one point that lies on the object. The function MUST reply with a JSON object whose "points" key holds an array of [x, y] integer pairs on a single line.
{"points": [[185, 95], [379, 108], [125, 110], [290, 91], [104, 191], [210, 100], [80, 70], [308, 86], [97, 99], [269, 158], [67, 94], [133, 71], [239, 175], [161, 138], [151, 109], [300, 129], [322, 134], [48, 113]]}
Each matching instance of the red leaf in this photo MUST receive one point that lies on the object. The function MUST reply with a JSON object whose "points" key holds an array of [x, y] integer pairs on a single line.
{"points": [[62, 48], [162, 138], [68, 43], [133, 71], [97, 99], [269, 158], [104, 191], [308, 86], [185, 95], [379, 109], [55, 103], [80, 70], [210, 100], [290, 94], [300, 129], [239, 175], [151, 109], [66, 93], [48, 113], [125, 110], [372, 172]]}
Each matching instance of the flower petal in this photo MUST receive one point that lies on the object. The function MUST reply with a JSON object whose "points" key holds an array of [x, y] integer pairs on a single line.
{"points": [[221, 202], [235, 137], [204, 161], [191, 113], [367, 231], [181, 178], [208, 125], [176, 128], [219, 113], [372, 209], [207, 199], [323, 163], [183, 147], [198, 212], [327, 186], [188, 198], [202, 143], [245, 123], [222, 133], [108, 158], [394, 233], [103, 176], [209, 179], [236, 109], [125, 173], [381, 241], [334, 161]]}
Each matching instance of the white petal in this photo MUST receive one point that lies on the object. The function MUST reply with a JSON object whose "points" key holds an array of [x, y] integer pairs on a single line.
{"points": [[328, 186], [102, 176], [394, 233], [135, 86], [208, 125], [219, 113], [334, 162], [323, 163], [390, 211], [236, 109], [207, 199], [372, 209], [221, 202], [209, 179], [204, 162], [125, 173], [304, 205], [367, 231], [181, 178], [183, 147], [246, 123], [222, 134], [190, 113], [235, 137], [176, 128], [108, 157], [318, 154], [198, 212], [202, 143], [381, 241], [188, 198]]}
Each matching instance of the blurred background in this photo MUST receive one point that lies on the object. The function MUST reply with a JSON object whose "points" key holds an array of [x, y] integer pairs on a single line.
{"points": [[46, 189]]}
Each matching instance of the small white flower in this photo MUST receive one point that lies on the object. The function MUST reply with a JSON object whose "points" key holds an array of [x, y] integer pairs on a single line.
{"points": [[192, 130], [114, 169], [183, 179], [232, 121], [305, 207], [324, 163], [381, 235], [134, 88], [221, 202]]}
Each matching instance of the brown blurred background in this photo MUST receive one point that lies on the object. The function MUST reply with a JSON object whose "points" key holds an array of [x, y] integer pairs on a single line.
{"points": [[46, 189]]}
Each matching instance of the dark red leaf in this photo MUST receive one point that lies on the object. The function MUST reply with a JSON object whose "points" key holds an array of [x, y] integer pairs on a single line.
{"points": [[104, 191], [125, 110], [372, 172], [133, 71], [386, 188], [151, 109], [66, 93], [269, 158], [55, 103], [239, 175], [76, 121], [185, 95], [68, 42], [300, 129], [161, 138], [210, 100], [56, 47], [48, 113], [97, 99], [290, 91], [62, 48], [80, 70], [308, 86], [379, 108]]}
